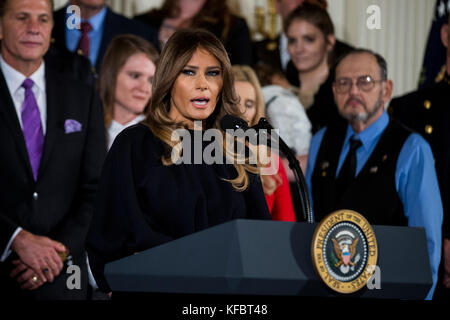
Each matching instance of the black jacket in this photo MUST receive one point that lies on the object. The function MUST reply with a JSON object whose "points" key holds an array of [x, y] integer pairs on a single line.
{"points": [[59, 204]]}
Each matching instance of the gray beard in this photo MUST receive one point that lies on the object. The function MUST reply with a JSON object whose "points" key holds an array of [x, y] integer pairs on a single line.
{"points": [[366, 116]]}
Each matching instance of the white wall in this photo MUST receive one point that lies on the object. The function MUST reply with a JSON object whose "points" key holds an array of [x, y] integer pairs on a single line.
{"points": [[401, 40]]}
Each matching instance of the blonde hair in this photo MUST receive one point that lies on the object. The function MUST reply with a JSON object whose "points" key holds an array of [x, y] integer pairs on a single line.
{"points": [[247, 74], [175, 55]]}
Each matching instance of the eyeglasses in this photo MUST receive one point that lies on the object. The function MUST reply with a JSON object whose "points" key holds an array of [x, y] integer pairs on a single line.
{"points": [[364, 83]]}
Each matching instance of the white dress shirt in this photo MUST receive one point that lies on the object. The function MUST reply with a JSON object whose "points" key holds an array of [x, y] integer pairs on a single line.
{"points": [[14, 80], [115, 128]]}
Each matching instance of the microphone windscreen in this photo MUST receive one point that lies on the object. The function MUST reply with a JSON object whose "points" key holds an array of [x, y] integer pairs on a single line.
{"points": [[232, 122]]}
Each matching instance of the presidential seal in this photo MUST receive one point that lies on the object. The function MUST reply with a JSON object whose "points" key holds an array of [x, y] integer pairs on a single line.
{"points": [[344, 251]]}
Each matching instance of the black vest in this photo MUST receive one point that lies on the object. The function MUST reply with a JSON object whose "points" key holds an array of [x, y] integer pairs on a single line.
{"points": [[373, 192]]}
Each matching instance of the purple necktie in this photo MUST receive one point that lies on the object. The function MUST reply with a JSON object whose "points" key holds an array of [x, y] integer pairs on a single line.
{"points": [[32, 127]]}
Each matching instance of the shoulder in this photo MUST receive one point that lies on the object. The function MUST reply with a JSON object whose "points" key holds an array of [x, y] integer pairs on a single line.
{"points": [[416, 150], [137, 139], [151, 18], [63, 61], [67, 83], [238, 21], [407, 99], [280, 98], [127, 25], [238, 26], [273, 92], [318, 137], [416, 99], [60, 14], [415, 142], [135, 134]]}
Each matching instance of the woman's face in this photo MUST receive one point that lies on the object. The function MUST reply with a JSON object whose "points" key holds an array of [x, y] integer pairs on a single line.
{"points": [[196, 90], [189, 8], [247, 102], [307, 45], [133, 86]]}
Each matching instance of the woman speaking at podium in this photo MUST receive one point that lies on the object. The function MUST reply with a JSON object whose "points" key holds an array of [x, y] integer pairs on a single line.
{"points": [[144, 198]]}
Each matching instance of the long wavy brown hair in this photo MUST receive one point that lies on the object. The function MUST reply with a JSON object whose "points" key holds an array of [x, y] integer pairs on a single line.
{"points": [[175, 55], [119, 50]]}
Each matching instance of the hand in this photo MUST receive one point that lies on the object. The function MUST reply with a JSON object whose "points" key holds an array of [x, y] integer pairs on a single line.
{"points": [[38, 254], [446, 257], [28, 279]]}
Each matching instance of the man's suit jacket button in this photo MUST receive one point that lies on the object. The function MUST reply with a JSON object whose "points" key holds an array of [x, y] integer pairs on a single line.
{"points": [[35, 196]]}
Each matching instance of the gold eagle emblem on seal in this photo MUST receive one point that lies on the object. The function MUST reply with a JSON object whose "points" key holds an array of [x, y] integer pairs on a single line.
{"points": [[344, 251]]}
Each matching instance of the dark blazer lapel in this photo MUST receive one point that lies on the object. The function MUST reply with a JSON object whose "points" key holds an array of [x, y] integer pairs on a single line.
{"points": [[54, 95], [8, 112], [59, 28]]}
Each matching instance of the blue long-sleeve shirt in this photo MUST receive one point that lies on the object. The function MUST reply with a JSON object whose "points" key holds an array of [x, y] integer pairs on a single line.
{"points": [[415, 181], [95, 36]]}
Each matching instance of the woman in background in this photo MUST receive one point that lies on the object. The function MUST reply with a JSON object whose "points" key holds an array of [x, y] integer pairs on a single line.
{"points": [[212, 15], [145, 197], [311, 42], [251, 104], [125, 82]]}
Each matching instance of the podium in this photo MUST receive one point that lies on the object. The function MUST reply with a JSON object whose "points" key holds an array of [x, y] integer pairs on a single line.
{"points": [[253, 257]]}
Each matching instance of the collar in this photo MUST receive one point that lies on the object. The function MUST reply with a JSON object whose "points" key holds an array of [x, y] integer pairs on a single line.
{"points": [[370, 134], [117, 126], [97, 20], [14, 78]]}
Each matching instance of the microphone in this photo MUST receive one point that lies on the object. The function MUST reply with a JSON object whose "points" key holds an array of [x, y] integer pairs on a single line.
{"points": [[230, 122]]}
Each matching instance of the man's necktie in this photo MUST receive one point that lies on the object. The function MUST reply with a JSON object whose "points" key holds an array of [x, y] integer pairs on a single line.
{"points": [[32, 127], [83, 44], [347, 173]]}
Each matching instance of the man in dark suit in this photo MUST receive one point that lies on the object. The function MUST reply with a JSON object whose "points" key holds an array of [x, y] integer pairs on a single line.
{"points": [[427, 112], [52, 139], [99, 25]]}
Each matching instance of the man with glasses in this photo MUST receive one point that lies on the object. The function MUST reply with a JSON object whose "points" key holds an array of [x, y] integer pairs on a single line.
{"points": [[371, 164]]}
